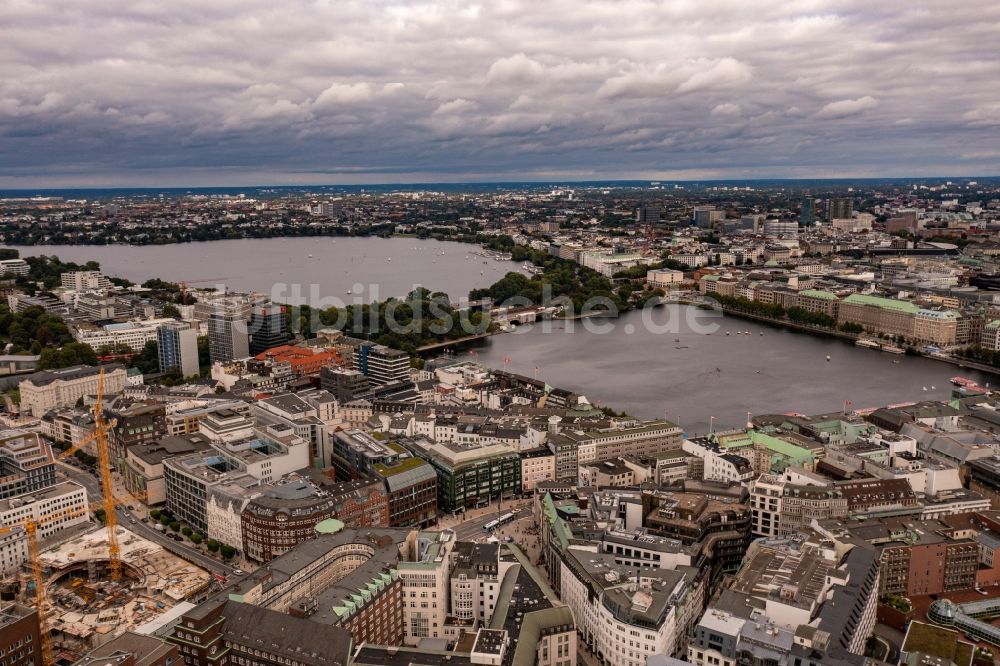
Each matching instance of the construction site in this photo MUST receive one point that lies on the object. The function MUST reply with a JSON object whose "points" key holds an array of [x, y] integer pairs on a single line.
{"points": [[86, 608], [95, 584]]}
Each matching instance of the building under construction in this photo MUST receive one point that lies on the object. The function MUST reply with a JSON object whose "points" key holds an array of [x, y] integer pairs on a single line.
{"points": [[86, 608]]}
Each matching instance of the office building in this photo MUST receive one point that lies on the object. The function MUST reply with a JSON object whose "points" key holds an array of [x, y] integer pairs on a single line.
{"points": [[345, 384], [648, 215], [142, 472], [287, 514], [229, 633], [386, 365], [49, 389], [177, 345], [781, 227], [664, 278], [471, 475], [55, 508], [26, 463], [268, 328], [807, 213], [411, 483], [266, 456], [839, 209], [705, 217], [228, 338], [20, 636], [85, 281], [13, 267], [131, 334]]}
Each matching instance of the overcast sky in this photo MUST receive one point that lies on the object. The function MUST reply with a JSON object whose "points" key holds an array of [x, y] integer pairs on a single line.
{"points": [[217, 92]]}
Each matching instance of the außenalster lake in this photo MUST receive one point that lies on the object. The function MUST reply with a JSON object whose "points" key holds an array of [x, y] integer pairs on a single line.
{"points": [[321, 267], [688, 376]]}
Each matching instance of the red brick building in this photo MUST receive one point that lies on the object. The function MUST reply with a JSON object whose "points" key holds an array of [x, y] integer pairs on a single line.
{"points": [[20, 638], [273, 524]]}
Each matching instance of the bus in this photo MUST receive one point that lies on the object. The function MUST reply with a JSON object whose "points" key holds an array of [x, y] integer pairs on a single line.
{"points": [[499, 522]]}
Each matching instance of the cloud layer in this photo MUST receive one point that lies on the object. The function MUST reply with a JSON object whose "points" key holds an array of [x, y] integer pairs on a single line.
{"points": [[188, 92]]}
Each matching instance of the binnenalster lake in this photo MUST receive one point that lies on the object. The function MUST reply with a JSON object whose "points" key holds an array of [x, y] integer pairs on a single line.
{"points": [[685, 375]]}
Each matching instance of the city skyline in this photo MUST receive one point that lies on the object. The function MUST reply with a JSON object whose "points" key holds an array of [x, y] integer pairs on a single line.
{"points": [[122, 95]]}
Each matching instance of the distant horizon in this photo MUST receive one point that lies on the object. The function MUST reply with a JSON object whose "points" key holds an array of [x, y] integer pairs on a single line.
{"points": [[513, 184]]}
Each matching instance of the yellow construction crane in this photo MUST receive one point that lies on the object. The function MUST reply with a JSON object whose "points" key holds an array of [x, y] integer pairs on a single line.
{"points": [[30, 527], [100, 436]]}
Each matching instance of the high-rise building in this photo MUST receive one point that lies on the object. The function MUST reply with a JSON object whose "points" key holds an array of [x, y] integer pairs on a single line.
{"points": [[648, 214], [386, 365], [807, 215], [705, 217], [840, 209], [268, 328], [178, 347], [227, 336]]}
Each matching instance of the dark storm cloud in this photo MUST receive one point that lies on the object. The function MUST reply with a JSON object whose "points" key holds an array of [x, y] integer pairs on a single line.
{"points": [[216, 92]]}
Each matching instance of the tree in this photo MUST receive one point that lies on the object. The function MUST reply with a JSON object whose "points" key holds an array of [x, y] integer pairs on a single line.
{"points": [[204, 357], [196, 538], [148, 360], [213, 545], [174, 526], [154, 514], [227, 551], [171, 311], [186, 531], [74, 353]]}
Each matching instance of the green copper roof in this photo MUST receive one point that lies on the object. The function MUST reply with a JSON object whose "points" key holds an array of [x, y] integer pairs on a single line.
{"points": [[883, 303], [818, 293], [329, 526]]}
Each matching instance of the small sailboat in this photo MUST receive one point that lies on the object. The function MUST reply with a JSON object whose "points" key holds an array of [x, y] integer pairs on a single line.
{"points": [[310, 256], [827, 358]]}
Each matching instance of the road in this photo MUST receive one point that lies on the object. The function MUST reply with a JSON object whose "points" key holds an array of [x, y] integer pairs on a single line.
{"points": [[468, 526], [133, 523]]}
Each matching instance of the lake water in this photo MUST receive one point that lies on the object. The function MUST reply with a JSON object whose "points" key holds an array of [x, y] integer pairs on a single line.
{"points": [[685, 375], [654, 363], [299, 270]]}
